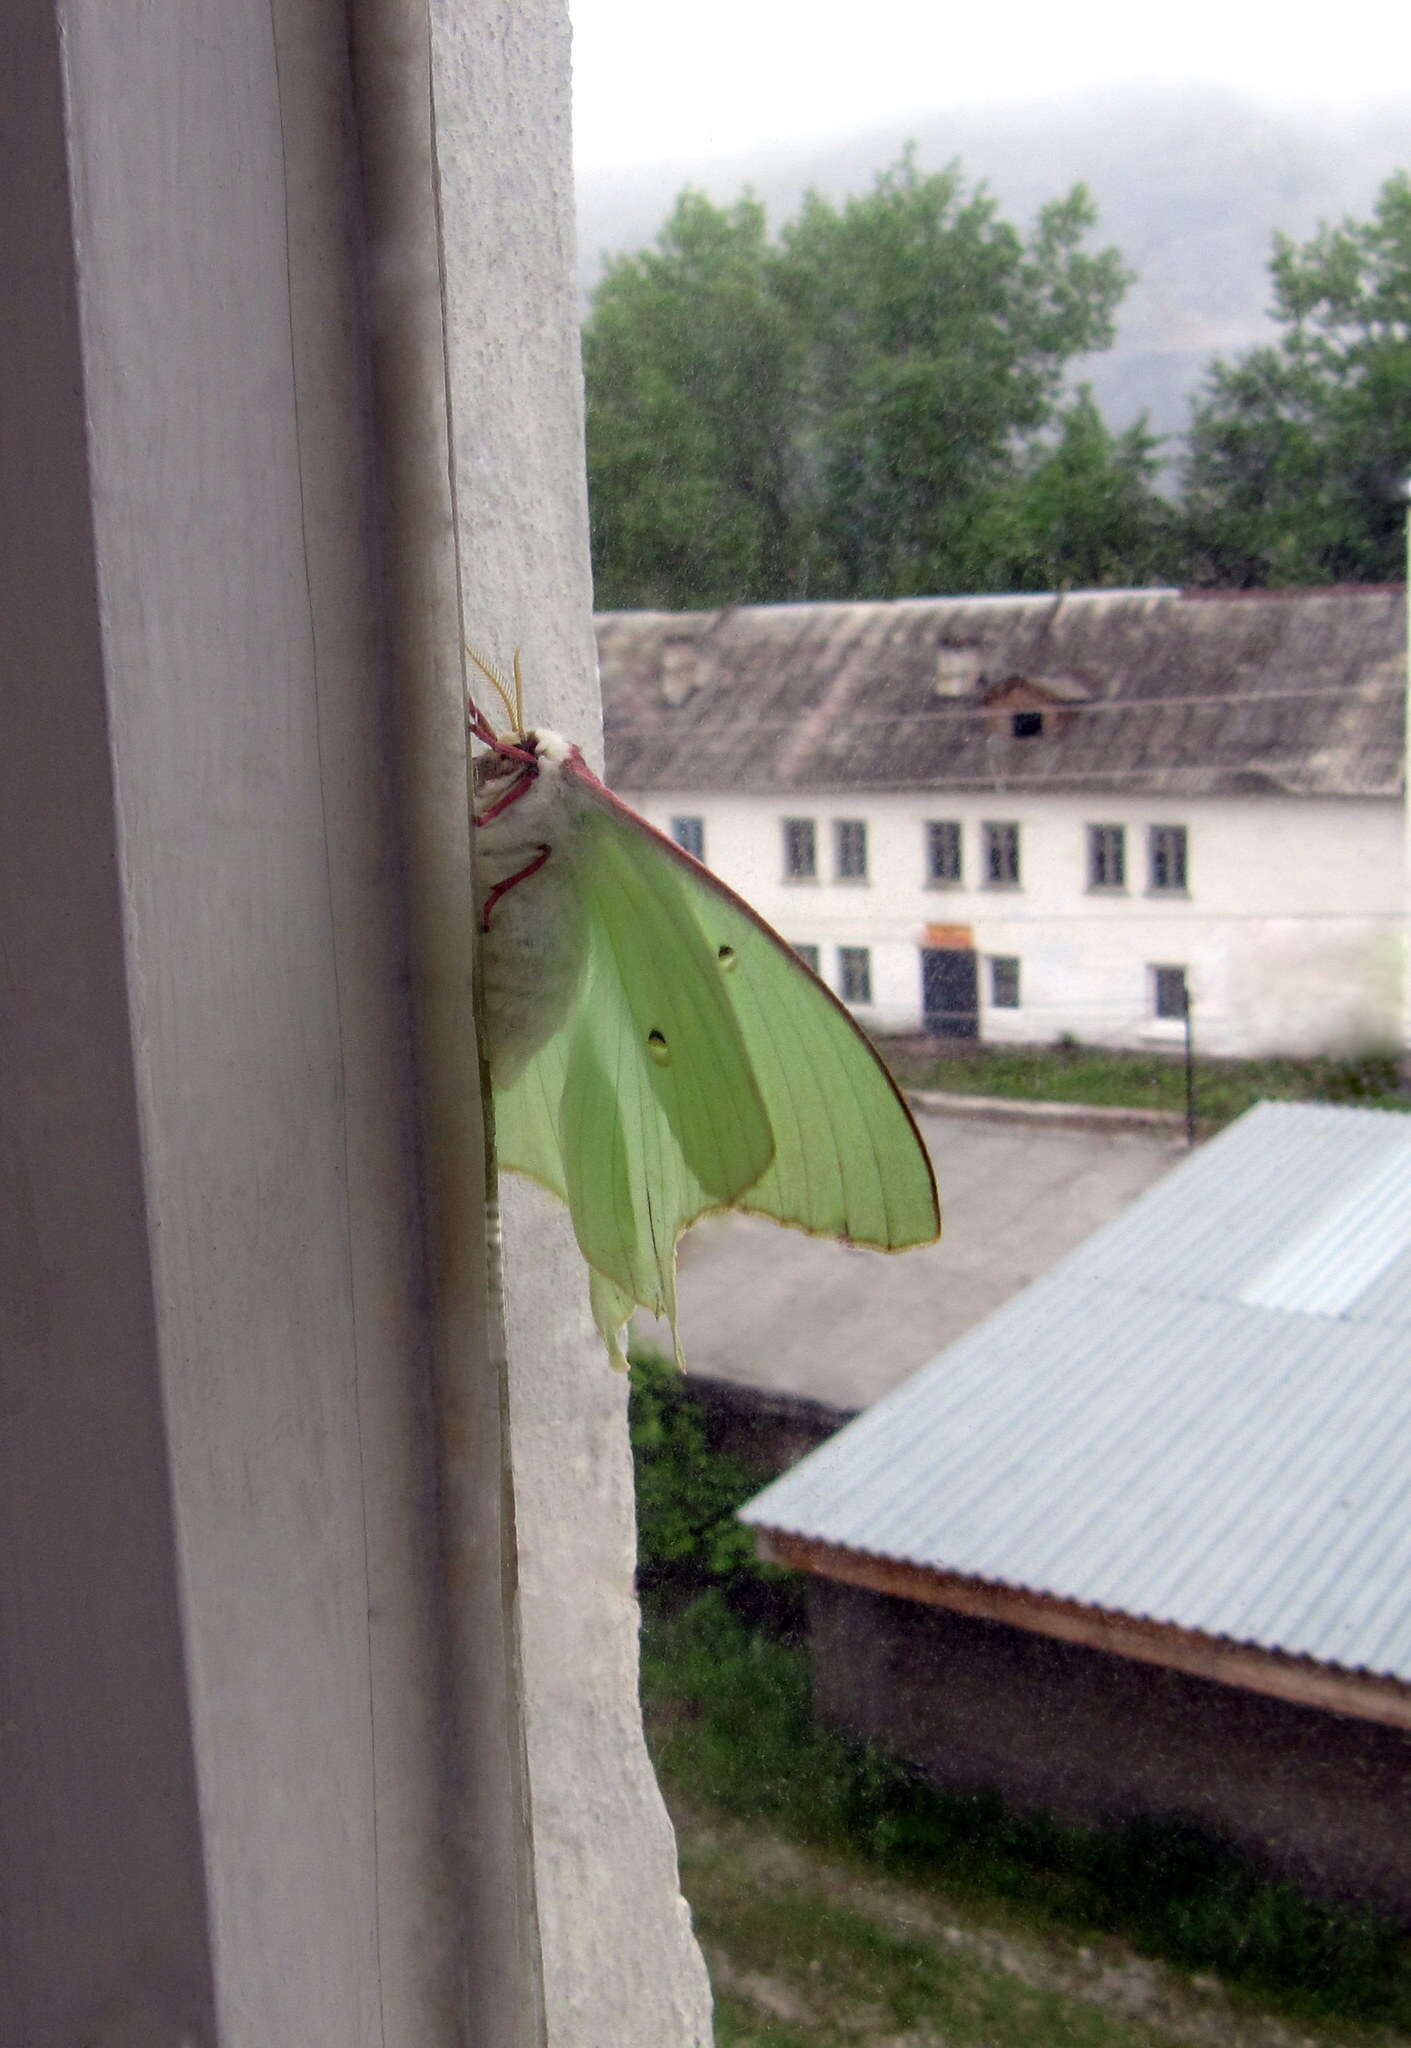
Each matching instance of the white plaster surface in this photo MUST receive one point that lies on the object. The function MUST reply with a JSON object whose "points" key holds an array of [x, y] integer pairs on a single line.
{"points": [[621, 1967]]}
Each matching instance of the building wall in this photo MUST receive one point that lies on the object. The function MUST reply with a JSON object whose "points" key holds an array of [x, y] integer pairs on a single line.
{"points": [[1288, 931], [1321, 1798], [764, 1428]]}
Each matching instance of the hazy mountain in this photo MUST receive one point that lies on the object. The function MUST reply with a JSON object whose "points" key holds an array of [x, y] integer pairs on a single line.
{"points": [[1191, 187]]}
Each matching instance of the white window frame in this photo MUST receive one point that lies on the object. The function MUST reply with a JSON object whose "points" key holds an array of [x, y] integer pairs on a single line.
{"points": [[855, 962], [1002, 835], [935, 826], [688, 831], [1156, 970], [1103, 842], [850, 852], [1159, 840], [1001, 966], [800, 825]]}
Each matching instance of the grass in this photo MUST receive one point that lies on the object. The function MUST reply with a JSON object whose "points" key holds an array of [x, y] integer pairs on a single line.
{"points": [[730, 1722], [728, 1702], [808, 1950], [1139, 1080], [843, 1979]]}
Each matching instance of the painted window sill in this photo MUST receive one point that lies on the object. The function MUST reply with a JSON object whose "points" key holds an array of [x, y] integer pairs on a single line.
{"points": [[1168, 895]]}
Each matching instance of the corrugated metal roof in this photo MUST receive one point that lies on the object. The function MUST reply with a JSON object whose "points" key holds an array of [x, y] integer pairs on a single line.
{"points": [[1201, 1417], [1166, 691]]}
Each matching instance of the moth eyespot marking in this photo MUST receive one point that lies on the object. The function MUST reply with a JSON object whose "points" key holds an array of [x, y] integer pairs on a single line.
{"points": [[658, 1048], [726, 956]]}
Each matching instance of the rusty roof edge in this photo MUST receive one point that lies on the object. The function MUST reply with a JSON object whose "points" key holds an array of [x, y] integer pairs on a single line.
{"points": [[1048, 1602]]}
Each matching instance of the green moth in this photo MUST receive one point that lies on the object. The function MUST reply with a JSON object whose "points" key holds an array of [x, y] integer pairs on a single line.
{"points": [[658, 1053]]}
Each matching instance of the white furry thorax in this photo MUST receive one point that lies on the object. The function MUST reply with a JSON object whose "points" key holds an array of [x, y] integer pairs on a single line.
{"points": [[534, 943]]}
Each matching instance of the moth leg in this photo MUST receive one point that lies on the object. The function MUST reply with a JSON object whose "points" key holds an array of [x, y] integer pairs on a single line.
{"points": [[531, 867], [522, 784]]}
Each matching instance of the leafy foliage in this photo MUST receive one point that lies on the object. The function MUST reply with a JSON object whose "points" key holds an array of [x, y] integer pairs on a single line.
{"points": [[851, 409], [690, 363], [1084, 511], [934, 339], [686, 1493], [871, 404], [729, 1712], [1299, 450]]}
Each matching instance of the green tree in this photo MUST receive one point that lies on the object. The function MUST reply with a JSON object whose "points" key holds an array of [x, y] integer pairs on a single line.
{"points": [[1297, 449], [1085, 511], [935, 339], [690, 365], [836, 413]]}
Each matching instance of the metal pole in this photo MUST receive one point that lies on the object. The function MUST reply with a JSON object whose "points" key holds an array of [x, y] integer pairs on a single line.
{"points": [[1190, 1068], [1405, 1060]]}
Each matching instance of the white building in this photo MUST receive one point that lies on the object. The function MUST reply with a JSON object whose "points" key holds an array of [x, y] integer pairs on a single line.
{"points": [[1029, 817]]}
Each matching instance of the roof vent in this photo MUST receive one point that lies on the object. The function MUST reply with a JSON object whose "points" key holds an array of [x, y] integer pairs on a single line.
{"points": [[958, 670], [680, 669]]}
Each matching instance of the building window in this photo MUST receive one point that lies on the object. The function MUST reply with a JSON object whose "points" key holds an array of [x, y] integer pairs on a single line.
{"points": [[689, 834], [1026, 725], [855, 974], [810, 959], [1166, 855], [850, 849], [1168, 992], [1004, 983], [1107, 857], [943, 852], [1001, 856], [800, 850]]}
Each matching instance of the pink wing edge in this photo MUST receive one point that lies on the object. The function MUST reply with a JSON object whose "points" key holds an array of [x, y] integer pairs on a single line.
{"points": [[597, 791]]}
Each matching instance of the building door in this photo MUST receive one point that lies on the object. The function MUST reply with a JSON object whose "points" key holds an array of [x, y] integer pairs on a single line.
{"points": [[950, 991]]}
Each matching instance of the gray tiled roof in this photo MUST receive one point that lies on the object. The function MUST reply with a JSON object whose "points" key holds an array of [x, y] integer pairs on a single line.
{"points": [[1201, 1417], [1163, 691]]}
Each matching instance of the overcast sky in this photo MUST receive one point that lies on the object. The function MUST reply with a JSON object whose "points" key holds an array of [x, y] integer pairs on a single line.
{"points": [[662, 79]]}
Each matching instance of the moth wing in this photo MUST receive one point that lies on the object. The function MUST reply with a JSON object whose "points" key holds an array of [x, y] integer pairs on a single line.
{"points": [[848, 1160], [527, 1137], [642, 1112]]}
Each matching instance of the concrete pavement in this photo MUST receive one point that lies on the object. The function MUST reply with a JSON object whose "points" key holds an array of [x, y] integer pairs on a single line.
{"points": [[773, 1308]]}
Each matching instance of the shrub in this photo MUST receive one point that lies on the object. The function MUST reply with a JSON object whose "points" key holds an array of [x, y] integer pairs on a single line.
{"points": [[729, 1711], [687, 1493]]}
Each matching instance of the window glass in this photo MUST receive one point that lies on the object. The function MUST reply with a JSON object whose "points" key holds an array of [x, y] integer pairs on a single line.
{"points": [[1026, 725], [855, 974], [689, 834], [1004, 983], [1167, 857], [943, 851], [1107, 857], [809, 957], [850, 849], [1168, 991], [800, 849], [1001, 844]]}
